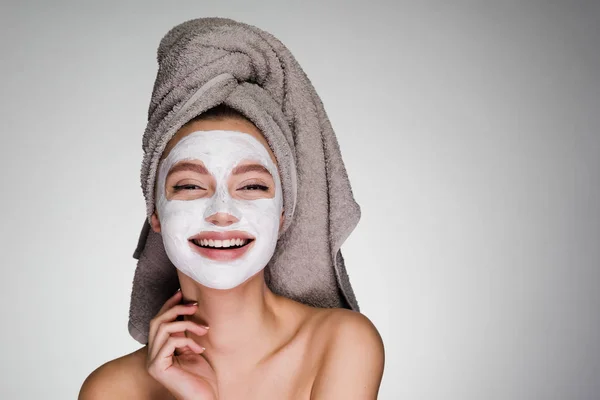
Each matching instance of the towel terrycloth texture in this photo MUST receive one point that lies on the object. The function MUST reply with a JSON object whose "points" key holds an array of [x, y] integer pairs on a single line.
{"points": [[210, 61]]}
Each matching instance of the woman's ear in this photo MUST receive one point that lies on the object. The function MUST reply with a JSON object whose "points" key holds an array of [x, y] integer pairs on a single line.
{"points": [[281, 219], [155, 223]]}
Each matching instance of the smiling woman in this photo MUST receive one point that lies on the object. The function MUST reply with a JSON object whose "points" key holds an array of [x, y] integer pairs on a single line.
{"points": [[222, 188], [222, 203]]}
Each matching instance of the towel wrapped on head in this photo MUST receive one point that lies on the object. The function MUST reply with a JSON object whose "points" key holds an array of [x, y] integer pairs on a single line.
{"points": [[206, 62]]}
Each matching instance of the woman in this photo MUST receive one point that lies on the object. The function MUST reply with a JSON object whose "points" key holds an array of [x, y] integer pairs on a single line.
{"points": [[220, 201]]}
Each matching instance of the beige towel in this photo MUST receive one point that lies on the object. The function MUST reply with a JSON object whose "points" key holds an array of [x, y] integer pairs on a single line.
{"points": [[208, 61]]}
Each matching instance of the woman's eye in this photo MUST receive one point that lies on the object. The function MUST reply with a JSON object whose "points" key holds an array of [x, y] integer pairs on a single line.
{"points": [[256, 187], [178, 188]]}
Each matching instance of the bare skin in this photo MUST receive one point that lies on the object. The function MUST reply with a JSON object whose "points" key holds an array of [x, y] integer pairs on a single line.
{"points": [[258, 345]]}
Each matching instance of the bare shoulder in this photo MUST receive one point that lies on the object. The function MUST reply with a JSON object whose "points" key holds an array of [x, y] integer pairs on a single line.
{"points": [[346, 327], [353, 360], [337, 326], [122, 378]]}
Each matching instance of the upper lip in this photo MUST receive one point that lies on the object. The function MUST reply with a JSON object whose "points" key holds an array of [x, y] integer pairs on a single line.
{"points": [[221, 235]]}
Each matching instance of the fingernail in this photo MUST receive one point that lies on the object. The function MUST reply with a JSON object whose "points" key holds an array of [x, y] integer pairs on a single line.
{"points": [[192, 304], [205, 327]]}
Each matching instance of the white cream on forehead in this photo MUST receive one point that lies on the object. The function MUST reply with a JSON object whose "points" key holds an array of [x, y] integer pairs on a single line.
{"points": [[220, 151]]}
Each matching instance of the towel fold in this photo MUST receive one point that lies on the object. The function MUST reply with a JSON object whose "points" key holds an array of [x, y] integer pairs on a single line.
{"points": [[205, 62]]}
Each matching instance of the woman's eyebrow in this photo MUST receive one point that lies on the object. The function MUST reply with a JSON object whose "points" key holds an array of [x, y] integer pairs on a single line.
{"points": [[242, 169], [188, 166]]}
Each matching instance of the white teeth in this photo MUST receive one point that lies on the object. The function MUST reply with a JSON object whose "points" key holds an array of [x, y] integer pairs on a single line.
{"points": [[221, 243]]}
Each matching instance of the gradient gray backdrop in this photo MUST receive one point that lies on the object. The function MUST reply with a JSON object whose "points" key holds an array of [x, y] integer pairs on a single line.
{"points": [[471, 136]]}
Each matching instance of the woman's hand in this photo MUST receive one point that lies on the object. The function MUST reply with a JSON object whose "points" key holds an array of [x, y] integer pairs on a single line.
{"points": [[173, 359]]}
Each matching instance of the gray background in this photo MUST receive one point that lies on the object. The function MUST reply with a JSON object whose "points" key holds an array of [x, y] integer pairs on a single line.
{"points": [[471, 136]]}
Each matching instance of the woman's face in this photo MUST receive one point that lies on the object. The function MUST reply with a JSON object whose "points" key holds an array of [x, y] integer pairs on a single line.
{"points": [[219, 202]]}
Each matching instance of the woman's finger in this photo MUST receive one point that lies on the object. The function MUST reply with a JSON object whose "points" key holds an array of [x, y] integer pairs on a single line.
{"points": [[168, 316], [164, 358], [166, 329], [173, 300]]}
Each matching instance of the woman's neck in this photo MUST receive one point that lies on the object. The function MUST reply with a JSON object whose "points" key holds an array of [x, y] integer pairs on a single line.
{"points": [[242, 321]]}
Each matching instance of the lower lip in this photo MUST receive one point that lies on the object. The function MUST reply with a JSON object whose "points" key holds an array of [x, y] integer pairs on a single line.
{"points": [[220, 254]]}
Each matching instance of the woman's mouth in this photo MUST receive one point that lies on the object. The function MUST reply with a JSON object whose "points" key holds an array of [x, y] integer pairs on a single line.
{"points": [[224, 244], [226, 249]]}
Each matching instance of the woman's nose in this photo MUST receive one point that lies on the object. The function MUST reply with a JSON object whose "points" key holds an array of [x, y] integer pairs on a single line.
{"points": [[222, 219]]}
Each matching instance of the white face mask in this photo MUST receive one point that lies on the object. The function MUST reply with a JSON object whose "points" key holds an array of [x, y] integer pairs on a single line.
{"points": [[180, 220]]}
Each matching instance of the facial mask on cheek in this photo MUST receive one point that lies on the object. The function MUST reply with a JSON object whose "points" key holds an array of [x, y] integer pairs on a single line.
{"points": [[180, 220]]}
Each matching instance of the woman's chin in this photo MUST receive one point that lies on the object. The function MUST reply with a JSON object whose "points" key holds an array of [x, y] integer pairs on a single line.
{"points": [[227, 282]]}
